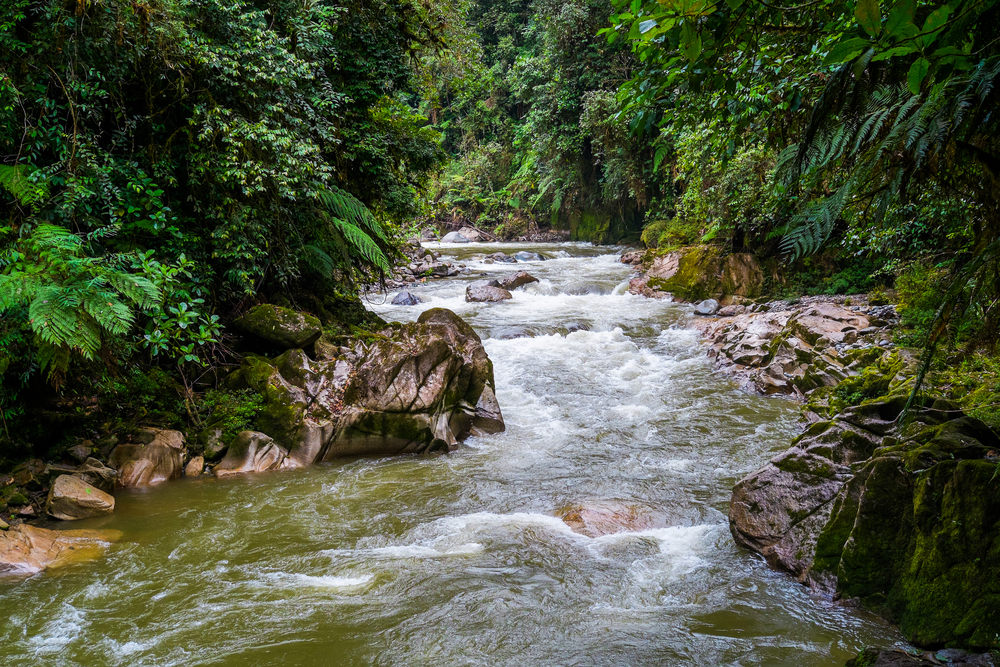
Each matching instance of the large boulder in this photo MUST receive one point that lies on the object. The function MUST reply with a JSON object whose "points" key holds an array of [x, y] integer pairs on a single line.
{"points": [[28, 549], [697, 273], [411, 388], [252, 452], [71, 498], [486, 291], [281, 327], [474, 235], [905, 519], [405, 299], [156, 456], [528, 256], [454, 237]]}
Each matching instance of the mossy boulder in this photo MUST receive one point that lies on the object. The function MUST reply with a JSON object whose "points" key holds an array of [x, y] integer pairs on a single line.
{"points": [[280, 327], [903, 517], [411, 388]]}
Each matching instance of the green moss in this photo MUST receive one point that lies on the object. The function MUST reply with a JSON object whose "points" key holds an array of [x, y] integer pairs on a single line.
{"points": [[698, 274]]}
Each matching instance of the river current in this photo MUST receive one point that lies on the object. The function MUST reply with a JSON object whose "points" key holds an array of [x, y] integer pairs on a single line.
{"points": [[459, 559]]}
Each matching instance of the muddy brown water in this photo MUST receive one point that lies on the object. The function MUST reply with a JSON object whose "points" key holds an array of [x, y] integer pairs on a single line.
{"points": [[458, 559]]}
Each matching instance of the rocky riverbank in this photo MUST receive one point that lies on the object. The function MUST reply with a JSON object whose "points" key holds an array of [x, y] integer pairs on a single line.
{"points": [[409, 388], [897, 513]]}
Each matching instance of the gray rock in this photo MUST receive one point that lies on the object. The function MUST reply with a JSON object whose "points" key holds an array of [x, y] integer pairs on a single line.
{"points": [[707, 307], [501, 257], [483, 291], [71, 498], [454, 237], [526, 256], [514, 280], [405, 299], [82, 451], [251, 452]]}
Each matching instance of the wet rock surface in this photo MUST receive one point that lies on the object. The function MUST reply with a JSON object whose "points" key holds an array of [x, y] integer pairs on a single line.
{"points": [[71, 498], [29, 549], [510, 281], [414, 388], [486, 291], [872, 657], [156, 456], [902, 517], [405, 299], [607, 517]]}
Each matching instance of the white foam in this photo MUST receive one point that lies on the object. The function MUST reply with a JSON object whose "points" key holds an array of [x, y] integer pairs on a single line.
{"points": [[331, 581]]}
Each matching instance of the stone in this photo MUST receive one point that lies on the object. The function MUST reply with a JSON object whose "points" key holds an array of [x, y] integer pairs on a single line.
{"points": [[252, 452], [156, 457], [707, 307], [194, 467], [732, 310], [607, 518], [501, 257], [510, 281], [526, 256], [428, 234], [632, 257], [213, 447], [411, 388], [97, 474], [486, 291], [405, 299], [472, 234], [280, 327], [28, 549], [82, 451], [873, 657], [454, 237], [71, 498]]}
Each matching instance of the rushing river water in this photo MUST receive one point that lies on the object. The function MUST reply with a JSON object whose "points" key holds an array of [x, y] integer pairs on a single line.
{"points": [[458, 559]]}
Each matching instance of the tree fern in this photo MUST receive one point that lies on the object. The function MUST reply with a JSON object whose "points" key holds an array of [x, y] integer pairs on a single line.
{"points": [[351, 220]]}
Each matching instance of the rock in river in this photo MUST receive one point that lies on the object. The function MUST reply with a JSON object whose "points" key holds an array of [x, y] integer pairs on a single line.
{"points": [[707, 307], [486, 291], [252, 452], [526, 256], [27, 549], [71, 498], [158, 455], [405, 299], [454, 237], [516, 279], [281, 327], [411, 388]]}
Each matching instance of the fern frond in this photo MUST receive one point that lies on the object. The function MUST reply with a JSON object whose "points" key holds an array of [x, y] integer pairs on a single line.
{"points": [[363, 243], [16, 180]]}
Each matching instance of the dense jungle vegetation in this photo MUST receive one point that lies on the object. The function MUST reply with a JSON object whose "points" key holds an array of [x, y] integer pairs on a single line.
{"points": [[167, 164]]}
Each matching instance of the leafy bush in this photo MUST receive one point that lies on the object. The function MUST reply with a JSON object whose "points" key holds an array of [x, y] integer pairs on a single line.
{"points": [[231, 411]]}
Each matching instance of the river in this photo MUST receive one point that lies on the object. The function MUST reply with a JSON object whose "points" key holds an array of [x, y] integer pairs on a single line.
{"points": [[459, 559]]}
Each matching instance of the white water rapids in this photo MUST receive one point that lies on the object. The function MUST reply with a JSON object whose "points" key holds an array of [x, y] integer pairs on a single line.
{"points": [[460, 559]]}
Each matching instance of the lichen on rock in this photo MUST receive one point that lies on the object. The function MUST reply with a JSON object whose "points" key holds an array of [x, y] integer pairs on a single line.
{"points": [[281, 327]]}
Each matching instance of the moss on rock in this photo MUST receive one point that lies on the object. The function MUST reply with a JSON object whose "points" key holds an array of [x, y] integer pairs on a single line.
{"points": [[281, 327]]}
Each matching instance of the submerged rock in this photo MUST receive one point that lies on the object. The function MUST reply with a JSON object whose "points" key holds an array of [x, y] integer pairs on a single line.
{"points": [[486, 291], [71, 498], [27, 549], [527, 256], [454, 237], [501, 257], [607, 518], [412, 388], [514, 280], [405, 299], [157, 457], [281, 327], [904, 519]]}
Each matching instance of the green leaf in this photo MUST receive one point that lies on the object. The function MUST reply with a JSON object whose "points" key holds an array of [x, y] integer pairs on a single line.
{"points": [[690, 45], [868, 15], [933, 25], [901, 14], [893, 52], [916, 75], [734, 4], [846, 50]]}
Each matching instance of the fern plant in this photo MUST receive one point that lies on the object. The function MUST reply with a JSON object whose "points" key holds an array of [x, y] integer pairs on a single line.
{"points": [[74, 302], [17, 181], [353, 228]]}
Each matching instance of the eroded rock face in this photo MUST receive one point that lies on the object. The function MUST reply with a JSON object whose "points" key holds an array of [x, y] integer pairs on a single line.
{"points": [[281, 327], [27, 549], [417, 387], [904, 519], [157, 456], [71, 498]]}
